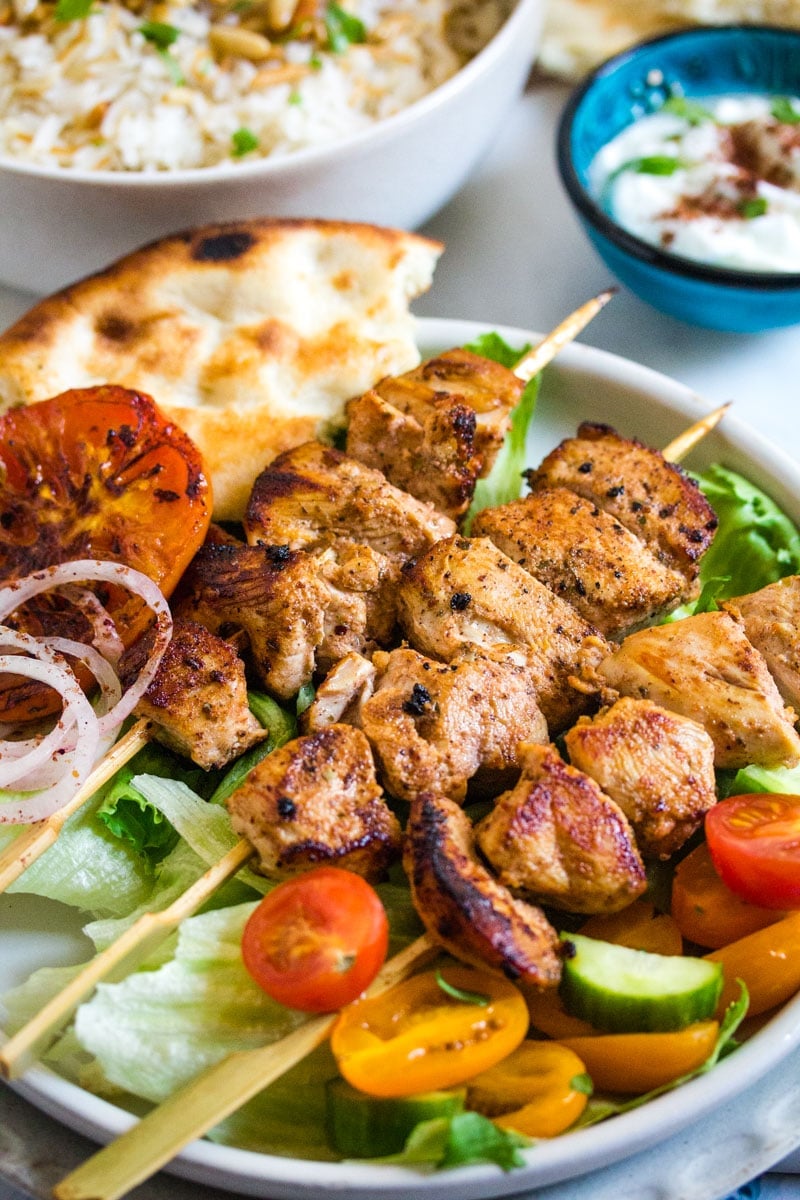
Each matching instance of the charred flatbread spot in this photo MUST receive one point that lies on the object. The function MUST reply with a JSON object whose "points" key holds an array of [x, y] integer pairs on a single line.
{"points": [[223, 247], [460, 601], [115, 327]]}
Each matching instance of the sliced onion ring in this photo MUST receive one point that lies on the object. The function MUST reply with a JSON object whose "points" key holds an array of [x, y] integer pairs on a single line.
{"points": [[75, 763], [57, 761]]}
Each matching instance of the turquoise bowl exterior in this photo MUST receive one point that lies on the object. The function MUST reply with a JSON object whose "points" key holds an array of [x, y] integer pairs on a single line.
{"points": [[695, 63]]}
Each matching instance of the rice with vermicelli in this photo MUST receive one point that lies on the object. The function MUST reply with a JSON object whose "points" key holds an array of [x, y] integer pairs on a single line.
{"points": [[154, 86]]}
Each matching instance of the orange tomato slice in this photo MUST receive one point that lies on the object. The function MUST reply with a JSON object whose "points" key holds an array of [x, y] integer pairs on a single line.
{"points": [[417, 1037]]}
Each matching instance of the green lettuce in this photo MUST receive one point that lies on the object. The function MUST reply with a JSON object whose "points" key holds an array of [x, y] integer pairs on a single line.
{"points": [[87, 867], [129, 816], [282, 726], [466, 1137], [504, 481], [756, 542]]}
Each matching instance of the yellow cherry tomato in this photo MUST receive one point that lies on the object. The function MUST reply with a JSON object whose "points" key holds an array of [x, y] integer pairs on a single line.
{"points": [[632, 1063], [638, 926], [419, 1037], [706, 910], [768, 962], [549, 1016], [535, 1090]]}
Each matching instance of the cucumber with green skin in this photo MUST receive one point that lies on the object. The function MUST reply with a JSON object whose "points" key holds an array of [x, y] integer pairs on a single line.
{"points": [[363, 1126], [622, 990]]}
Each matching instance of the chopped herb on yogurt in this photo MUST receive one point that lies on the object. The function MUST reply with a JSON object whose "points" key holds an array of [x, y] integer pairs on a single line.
{"points": [[715, 180]]}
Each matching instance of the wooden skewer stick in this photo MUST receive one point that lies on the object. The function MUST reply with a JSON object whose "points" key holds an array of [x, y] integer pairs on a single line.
{"points": [[687, 440], [212, 1096], [36, 838], [116, 961], [535, 359]]}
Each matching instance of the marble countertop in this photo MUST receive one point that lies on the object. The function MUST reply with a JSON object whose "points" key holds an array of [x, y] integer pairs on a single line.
{"points": [[514, 255]]}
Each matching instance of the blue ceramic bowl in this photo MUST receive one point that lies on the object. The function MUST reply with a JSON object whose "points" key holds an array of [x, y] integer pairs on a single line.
{"points": [[698, 63]]}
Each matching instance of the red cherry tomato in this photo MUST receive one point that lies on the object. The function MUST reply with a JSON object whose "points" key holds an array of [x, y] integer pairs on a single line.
{"points": [[754, 842], [317, 941]]}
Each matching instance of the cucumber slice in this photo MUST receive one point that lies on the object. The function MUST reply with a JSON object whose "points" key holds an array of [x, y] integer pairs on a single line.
{"points": [[362, 1126], [631, 991]]}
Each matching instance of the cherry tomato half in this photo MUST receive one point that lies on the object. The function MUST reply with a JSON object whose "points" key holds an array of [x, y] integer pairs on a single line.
{"points": [[317, 941], [754, 841]]}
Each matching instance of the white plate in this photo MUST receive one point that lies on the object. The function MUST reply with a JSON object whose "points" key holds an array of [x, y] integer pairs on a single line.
{"points": [[584, 383]]}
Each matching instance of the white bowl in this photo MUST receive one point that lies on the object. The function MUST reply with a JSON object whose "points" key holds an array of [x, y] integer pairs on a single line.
{"points": [[60, 224], [583, 384]]}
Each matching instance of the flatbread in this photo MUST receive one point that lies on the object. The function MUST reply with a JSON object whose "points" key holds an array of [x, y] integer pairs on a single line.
{"points": [[250, 335], [579, 34]]}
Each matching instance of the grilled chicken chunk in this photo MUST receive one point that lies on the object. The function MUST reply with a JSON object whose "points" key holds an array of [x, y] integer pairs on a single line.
{"points": [[316, 800], [314, 496], [464, 908], [276, 596], [656, 765], [198, 698], [300, 612], [435, 727], [771, 619], [435, 430], [652, 498], [556, 838], [584, 555], [705, 668], [464, 591], [339, 696]]}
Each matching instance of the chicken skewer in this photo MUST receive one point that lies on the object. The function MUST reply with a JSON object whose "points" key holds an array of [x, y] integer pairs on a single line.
{"points": [[34, 841], [130, 950]]}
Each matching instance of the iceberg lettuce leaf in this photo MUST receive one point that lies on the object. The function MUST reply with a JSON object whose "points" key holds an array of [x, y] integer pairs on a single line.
{"points": [[87, 867], [504, 481], [756, 542]]}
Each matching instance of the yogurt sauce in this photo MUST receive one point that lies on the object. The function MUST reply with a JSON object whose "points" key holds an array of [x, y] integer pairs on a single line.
{"points": [[716, 180]]}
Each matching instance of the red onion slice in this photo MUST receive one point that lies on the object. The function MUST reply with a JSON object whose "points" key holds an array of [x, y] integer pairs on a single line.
{"points": [[75, 764], [59, 761]]}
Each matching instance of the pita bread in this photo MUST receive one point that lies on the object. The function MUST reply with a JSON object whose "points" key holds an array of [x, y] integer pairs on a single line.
{"points": [[251, 335], [579, 34]]}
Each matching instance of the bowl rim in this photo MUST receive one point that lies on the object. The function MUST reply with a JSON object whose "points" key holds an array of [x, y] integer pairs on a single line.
{"points": [[673, 264], [287, 164]]}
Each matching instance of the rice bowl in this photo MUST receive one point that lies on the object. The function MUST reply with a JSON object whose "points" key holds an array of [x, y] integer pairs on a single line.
{"points": [[159, 86], [62, 223]]}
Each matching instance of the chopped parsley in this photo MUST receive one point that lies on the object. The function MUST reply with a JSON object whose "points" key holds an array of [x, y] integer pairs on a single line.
{"points": [[459, 994], [244, 142], [162, 36], [72, 10], [343, 28], [655, 164], [784, 110], [755, 207], [690, 110]]}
